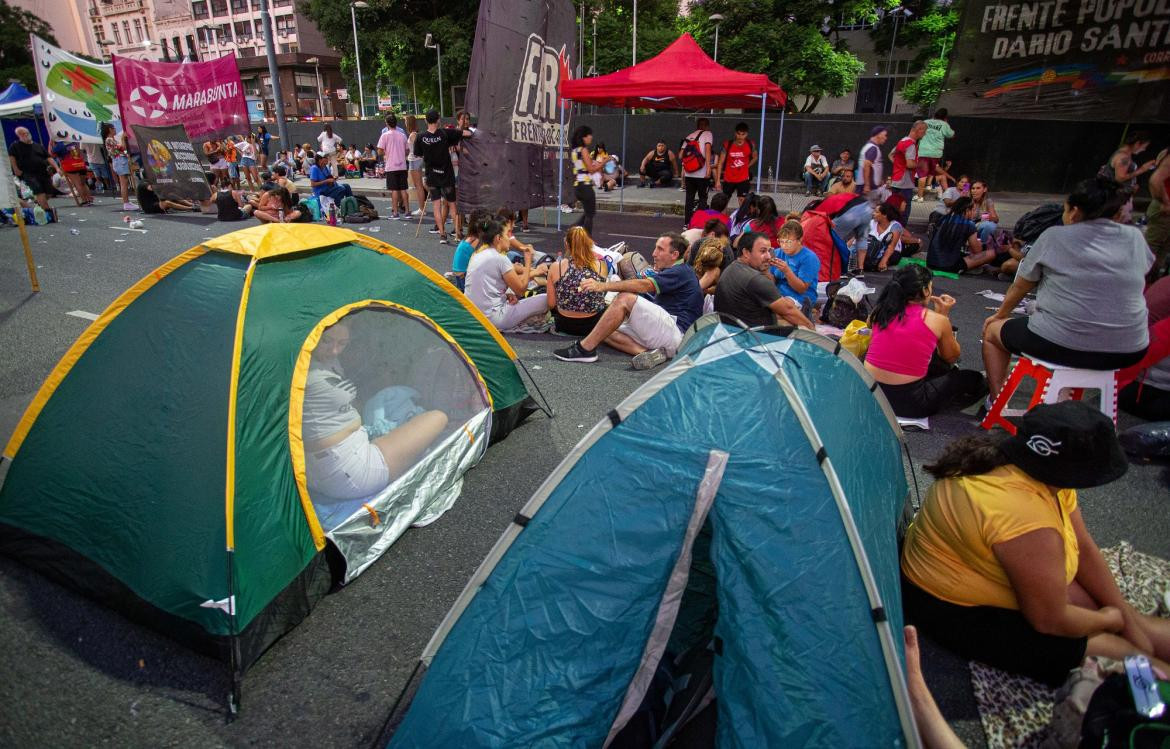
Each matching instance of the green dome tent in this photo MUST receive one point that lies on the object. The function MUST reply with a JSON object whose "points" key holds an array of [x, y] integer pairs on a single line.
{"points": [[161, 468], [738, 510]]}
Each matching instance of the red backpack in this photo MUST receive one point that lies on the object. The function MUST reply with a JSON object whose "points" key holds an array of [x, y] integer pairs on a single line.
{"points": [[692, 156]]}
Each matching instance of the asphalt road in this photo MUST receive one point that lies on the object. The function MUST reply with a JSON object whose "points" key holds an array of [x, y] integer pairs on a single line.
{"points": [[77, 674]]}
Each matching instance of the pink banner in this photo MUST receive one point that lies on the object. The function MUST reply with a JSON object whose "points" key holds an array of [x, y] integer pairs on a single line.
{"points": [[205, 97]]}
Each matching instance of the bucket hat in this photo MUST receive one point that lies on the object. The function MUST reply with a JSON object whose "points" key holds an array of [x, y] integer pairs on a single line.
{"points": [[1069, 445]]}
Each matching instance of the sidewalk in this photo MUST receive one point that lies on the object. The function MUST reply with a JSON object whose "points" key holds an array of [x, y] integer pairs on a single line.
{"points": [[663, 201]]}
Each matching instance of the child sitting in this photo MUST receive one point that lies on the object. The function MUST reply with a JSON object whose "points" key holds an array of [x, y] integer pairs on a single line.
{"points": [[796, 267]]}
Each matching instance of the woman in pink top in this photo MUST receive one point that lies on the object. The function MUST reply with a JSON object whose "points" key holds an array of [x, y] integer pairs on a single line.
{"points": [[913, 349]]}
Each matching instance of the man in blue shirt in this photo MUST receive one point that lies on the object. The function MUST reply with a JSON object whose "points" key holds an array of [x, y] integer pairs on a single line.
{"points": [[796, 267], [649, 315], [323, 181]]}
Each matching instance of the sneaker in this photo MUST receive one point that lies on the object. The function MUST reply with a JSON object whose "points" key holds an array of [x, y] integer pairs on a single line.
{"points": [[434, 229], [918, 199], [649, 359], [394, 217], [576, 352], [1009, 277], [416, 212], [129, 207], [444, 240]]}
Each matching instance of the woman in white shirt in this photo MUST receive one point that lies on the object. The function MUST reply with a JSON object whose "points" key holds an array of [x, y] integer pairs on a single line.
{"points": [[248, 151], [884, 243], [496, 286]]}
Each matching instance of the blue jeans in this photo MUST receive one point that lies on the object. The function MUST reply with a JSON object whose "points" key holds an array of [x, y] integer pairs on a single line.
{"points": [[335, 191], [812, 183], [987, 230], [854, 223]]}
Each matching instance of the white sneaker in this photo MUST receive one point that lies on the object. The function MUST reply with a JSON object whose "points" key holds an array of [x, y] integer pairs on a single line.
{"points": [[129, 207], [649, 359], [416, 212], [918, 199]]}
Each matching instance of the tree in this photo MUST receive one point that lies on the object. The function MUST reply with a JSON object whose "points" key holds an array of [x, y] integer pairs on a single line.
{"points": [[793, 42], [15, 56], [391, 34], [932, 31]]}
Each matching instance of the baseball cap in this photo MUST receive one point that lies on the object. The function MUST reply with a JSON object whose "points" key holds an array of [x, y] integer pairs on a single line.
{"points": [[814, 148], [1070, 445]]}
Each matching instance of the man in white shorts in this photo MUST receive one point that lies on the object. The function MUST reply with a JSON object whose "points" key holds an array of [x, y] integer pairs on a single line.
{"points": [[649, 315]]}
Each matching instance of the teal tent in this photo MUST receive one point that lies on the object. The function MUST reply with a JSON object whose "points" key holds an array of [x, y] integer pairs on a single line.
{"points": [[739, 509]]}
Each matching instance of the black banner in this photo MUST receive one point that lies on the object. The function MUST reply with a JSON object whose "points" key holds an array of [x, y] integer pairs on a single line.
{"points": [[170, 163], [1102, 60], [521, 53]]}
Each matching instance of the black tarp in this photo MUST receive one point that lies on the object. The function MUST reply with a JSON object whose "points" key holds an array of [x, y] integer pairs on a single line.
{"points": [[171, 164], [1102, 60], [521, 53]]}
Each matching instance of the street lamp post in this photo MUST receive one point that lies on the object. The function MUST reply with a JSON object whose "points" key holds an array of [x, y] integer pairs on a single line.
{"points": [[316, 63], [897, 13], [431, 44], [716, 18], [357, 54], [634, 54]]}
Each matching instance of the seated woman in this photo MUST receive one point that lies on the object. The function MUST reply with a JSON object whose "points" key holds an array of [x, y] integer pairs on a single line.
{"points": [[1088, 276], [913, 349], [985, 213], [150, 202], [998, 565], [277, 207], [575, 312], [954, 245], [496, 286], [341, 461], [767, 221], [883, 246]]}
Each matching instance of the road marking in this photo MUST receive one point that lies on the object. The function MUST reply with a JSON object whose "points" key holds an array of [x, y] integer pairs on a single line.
{"points": [[126, 228], [83, 314]]}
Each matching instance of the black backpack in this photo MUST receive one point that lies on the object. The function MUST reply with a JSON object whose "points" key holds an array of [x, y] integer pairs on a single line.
{"points": [[840, 310], [1033, 223], [366, 207]]}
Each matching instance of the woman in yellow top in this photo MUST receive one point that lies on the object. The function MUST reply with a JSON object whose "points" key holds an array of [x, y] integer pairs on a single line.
{"points": [[998, 565]]}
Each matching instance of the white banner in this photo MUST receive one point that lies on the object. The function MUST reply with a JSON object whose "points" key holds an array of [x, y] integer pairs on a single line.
{"points": [[78, 95]]}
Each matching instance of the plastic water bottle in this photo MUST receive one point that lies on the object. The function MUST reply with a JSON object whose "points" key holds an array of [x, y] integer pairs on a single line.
{"points": [[40, 218], [772, 177], [333, 214], [280, 214]]}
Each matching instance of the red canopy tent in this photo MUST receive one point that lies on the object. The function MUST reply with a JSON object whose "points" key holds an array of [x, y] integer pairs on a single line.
{"points": [[682, 76]]}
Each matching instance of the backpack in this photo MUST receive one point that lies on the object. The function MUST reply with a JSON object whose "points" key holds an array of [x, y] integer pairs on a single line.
{"points": [[692, 156], [841, 310], [1033, 223], [348, 206], [747, 141], [366, 207]]}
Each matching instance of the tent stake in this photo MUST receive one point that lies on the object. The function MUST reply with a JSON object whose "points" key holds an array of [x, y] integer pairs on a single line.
{"points": [[760, 162]]}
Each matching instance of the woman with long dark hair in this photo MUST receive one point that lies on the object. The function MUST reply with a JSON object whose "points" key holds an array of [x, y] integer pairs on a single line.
{"points": [[913, 349], [767, 221], [998, 565], [119, 150], [584, 167], [263, 144], [492, 279], [954, 245], [748, 209], [883, 246], [1088, 276]]}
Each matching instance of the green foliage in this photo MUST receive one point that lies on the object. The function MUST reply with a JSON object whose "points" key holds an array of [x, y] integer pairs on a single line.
{"points": [[391, 34], [924, 90], [932, 30], [15, 55]]}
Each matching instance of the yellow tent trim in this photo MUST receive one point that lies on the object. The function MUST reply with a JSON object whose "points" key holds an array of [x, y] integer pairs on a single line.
{"points": [[274, 240], [296, 411], [233, 394], [79, 347], [441, 282]]}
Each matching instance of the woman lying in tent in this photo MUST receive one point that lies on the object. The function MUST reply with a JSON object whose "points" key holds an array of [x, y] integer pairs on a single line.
{"points": [[998, 565], [343, 460]]}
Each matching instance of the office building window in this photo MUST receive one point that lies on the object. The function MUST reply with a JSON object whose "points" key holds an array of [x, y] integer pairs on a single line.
{"points": [[199, 9], [137, 30], [117, 34], [219, 7], [240, 6], [225, 34], [243, 30]]}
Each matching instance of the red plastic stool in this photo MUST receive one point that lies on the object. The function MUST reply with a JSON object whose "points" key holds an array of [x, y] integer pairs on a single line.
{"points": [[1050, 380]]}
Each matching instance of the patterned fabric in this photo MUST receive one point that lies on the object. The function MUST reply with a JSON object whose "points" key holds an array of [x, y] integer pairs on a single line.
{"points": [[580, 173], [569, 294], [1015, 710]]}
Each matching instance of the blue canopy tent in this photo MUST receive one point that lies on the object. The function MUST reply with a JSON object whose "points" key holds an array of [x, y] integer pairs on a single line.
{"points": [[21, 108], [724, 509]]}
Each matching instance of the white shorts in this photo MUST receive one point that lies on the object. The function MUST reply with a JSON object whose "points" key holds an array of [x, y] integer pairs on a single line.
{"points": [[352, 469], [652, 327]]}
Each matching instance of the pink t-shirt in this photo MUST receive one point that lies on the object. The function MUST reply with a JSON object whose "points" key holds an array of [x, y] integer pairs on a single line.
{"points": [[393, 144]]}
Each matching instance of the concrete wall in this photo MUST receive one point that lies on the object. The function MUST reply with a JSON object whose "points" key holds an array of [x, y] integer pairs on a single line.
{"points": [[1013, 155]]}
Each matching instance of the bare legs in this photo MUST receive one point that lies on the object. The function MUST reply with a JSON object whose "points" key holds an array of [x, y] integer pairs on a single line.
{"points": [[402, 446], [1156, 631], [419, 193]]}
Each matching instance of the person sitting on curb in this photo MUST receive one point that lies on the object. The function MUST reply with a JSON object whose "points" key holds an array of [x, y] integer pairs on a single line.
{"points": [[816, 172], [324, 183], [998, 565], [649, 328], [659, 167], [954, 245], [745, 293]]}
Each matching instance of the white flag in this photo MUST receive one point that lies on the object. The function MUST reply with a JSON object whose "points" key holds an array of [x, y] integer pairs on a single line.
{"points": [[77, 95]]}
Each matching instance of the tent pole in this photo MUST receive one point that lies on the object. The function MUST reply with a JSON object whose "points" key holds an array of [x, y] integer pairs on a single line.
{"points": [[561, 168], [779, 145], [622, 190], [760, 162]]}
